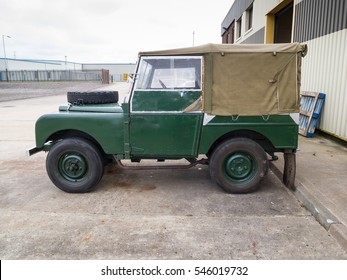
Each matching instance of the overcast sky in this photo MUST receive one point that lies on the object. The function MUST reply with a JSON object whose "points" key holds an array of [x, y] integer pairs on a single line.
{"points": [[111, 31]]}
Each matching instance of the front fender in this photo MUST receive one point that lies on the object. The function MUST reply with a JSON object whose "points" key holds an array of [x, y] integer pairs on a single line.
{"points": [[106, 128]]}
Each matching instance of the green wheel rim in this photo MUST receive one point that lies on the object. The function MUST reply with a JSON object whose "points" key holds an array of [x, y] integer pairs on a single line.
{"points": [[240, 167], [73, 166]]}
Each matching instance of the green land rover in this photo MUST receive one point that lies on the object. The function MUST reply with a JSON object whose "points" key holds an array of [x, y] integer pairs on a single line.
{"points": [[231, 107]]}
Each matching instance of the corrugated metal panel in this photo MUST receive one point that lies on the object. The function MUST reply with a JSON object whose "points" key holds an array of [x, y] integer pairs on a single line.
{"points": [[32, 64], [51, 75], [315, 18], [325, 70]]}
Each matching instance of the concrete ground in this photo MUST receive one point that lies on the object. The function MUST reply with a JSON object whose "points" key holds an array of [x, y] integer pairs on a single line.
{"points": [[167, 214], [321, 182]]}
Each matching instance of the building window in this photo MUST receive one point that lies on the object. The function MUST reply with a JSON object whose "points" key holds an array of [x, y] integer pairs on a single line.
{"points": [[232, 32], [238, 27], [249, 17], [228, 37]]}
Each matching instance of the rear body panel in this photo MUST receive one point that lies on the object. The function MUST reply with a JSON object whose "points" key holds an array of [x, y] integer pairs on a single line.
{"points": [[280, 130]]}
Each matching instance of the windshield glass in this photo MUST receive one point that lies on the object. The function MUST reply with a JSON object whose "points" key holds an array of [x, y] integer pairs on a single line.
{"points": [[169, 73]]}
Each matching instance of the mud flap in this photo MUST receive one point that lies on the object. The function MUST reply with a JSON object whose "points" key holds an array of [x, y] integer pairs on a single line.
{"points": [[289, 170]]}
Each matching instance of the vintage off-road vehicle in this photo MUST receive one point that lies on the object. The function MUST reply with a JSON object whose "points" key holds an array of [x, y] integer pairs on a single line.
{"points": [[228, 106]]}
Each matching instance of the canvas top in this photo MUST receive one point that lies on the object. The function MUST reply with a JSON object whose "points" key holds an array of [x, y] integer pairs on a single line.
{"points": [[247, 79], [231, 48]]}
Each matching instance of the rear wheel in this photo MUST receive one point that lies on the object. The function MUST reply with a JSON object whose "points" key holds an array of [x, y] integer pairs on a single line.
{"points": [[74, 165], [238, 165]]}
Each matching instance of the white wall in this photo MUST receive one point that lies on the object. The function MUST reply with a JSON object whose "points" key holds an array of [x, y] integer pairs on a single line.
{"points": [[324, 70], [260, 9]]}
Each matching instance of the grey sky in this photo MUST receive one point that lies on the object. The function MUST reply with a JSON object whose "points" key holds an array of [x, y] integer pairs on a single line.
{"points": [[106, 30]]}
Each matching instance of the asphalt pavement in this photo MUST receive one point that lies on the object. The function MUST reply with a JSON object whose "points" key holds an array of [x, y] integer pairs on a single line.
{"points": [[25, 90]]}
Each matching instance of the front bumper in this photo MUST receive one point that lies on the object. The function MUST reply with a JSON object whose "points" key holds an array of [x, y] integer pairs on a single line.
{"points": [[33, 150]]}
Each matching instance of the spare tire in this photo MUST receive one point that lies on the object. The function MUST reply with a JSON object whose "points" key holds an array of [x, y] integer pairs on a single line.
{"points": [[92, 97]]}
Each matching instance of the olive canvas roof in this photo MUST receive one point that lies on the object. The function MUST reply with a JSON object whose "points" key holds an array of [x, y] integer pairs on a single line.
{"points": [[231, 48], [247, 79]]}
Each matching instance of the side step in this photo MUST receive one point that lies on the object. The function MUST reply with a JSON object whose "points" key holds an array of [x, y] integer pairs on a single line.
{"points": [[157, 167]]}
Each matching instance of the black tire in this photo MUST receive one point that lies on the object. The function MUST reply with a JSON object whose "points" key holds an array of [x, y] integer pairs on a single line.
{"points": [[75, 165], [238, 165], [289, 170], [92, 97]]}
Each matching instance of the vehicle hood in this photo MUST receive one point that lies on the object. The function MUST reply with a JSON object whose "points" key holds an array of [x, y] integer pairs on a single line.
{"points": [[97, 108]]}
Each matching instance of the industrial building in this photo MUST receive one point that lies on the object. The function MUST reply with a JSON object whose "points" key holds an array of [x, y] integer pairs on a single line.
{"points": [[322, 25], [118, 71], [14, 64], [42, 70]]}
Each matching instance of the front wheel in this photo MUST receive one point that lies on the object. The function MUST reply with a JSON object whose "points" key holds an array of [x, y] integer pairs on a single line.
{"points": [[238, 165], [74, 165]]}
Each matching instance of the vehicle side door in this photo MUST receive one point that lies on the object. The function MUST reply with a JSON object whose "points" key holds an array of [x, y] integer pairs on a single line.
{"points": [[161, 126]]}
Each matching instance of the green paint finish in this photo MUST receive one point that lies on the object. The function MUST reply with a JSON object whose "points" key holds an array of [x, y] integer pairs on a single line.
{"points": [[126, 110], [98, 108], [72, 166], [240, 167], [280, 130], [106, 128], [154, 135], [161, 134], [163, 100]]}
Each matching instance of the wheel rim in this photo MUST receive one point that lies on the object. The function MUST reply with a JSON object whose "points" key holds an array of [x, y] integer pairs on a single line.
{"points": [[73, 166], [240, 167]]}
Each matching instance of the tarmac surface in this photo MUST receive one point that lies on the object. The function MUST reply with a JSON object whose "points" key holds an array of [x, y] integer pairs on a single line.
{"points": [[163, 214], [25, 90]]}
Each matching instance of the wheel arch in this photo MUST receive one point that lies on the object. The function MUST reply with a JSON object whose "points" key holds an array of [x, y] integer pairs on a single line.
{"points": [[105, 129], [259, 138], [74, 133]]}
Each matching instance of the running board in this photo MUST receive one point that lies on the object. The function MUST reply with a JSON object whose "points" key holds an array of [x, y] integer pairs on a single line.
{"points": [[158, 167]]}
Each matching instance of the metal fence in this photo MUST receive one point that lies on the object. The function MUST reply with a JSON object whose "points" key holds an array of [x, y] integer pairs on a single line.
{"points": [[49, 75]]}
